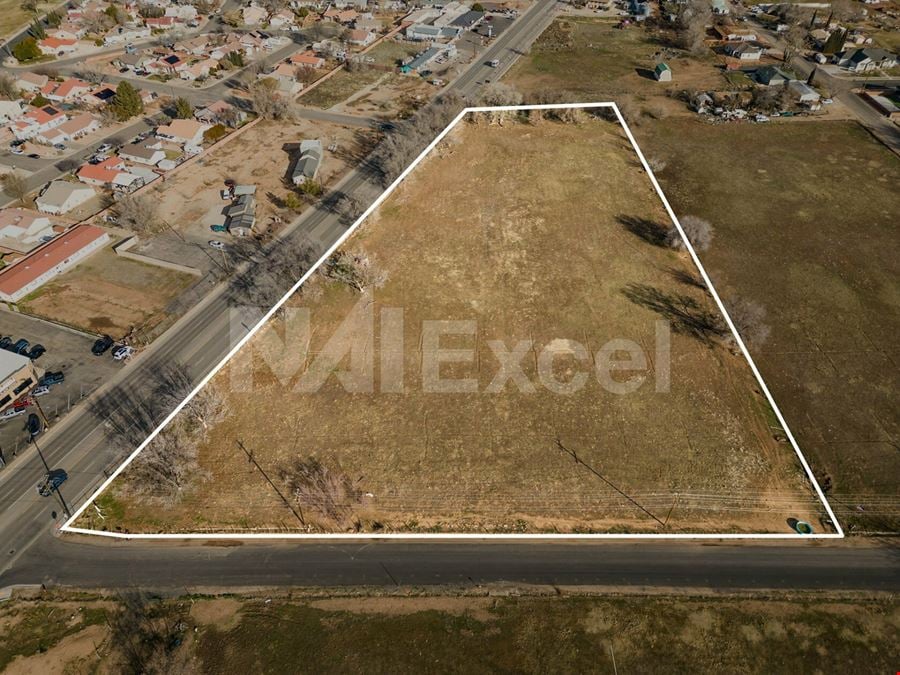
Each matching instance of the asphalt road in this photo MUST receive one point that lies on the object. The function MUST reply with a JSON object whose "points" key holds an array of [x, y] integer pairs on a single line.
{"points": [[663, 566]]}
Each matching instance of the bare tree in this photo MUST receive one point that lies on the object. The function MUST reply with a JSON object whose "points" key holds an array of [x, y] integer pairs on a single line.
{"points": [[748, 317], [8, 89], [327, 491], [15, 186], [357, 270], [699, 232], [694, 17], [795, 37], [147, 639], [92, 74], [138, 213], [267, 102]]}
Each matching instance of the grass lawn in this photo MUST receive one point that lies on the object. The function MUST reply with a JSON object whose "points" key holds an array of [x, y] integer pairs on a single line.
{"points": [[588, 59], [108, 294], [806, 220], [536, 239], [392, 52]]}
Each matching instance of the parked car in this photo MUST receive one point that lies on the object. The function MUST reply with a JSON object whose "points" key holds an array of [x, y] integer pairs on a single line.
{"points": [[17, 151], [10, 413], [51, 378], [218, 228], [218, 245], [20, 347], [42, 390], [51, 481], [122, 352], [16, 143], [494, 63], [5, 342], [33, 155], [59, 146], [33, 425], [105, 147], [37, 351], [102, 345], [22, 403]]}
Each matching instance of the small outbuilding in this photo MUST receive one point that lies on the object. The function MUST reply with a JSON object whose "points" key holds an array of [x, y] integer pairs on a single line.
{"points": [[663, 73]]}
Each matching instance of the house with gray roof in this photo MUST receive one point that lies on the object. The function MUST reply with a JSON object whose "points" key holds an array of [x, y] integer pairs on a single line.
{"points": [[866, 60], [308, 162]]}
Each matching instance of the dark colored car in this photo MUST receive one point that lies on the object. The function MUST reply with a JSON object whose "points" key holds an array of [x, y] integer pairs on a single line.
{"points": [[5, 342], [34, 155], [33, 426], [52, 378], [20, 347], [102, 345], [52, 480], [37, 351]]}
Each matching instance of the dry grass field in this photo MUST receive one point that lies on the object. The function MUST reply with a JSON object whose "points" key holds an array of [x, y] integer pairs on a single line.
{"points": [[528, 230], [109, 294], [806, 225], [501, 630]]}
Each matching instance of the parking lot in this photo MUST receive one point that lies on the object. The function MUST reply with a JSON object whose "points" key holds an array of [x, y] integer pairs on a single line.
{"points": [[67, 351]]}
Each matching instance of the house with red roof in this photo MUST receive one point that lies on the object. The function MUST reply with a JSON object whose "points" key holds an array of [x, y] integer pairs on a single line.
{"points": [[55, 46], [67, 91], [110, 173], [307, 58], [35, 122], [50, 260]]}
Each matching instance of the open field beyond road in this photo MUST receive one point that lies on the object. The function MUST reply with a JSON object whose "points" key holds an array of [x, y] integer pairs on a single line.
{"points": [[806, 220], [407, 633], [533, 232], [108, 294], [12, 16]]}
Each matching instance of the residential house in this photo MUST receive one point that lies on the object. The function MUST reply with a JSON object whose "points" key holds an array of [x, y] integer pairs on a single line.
{"points": [[142, 154], [67, 91], [421, 61], [188, 133], [342, 16], [284, 19], [241, 214], [199, 70], [31, 82], [73, 128], [37, 121], [62, 196], [22, 229], [772, 76], [68, 30], [803, 93], [123, 34], [10, 110], [253, 15], [110, 173], [360, 37], [285, 77], [744, 52], [733, 34], [220, 112], [50, 260], [52, 46], [866, 59], [308, 161], [307, 59], [160, 23]]}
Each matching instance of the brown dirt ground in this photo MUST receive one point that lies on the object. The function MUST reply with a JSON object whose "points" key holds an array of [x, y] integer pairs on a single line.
{"points": [[74, 654], [109, 294], [527, 243], [261, 156]]}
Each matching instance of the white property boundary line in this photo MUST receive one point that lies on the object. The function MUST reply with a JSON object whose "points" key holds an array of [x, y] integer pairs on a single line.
{"points": [[68, 525]]}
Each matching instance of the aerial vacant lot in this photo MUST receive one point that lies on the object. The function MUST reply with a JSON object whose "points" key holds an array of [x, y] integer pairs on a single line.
{"points": [[806, 219], [585, 59], [543, 235], [13, 15], [109, 294]]}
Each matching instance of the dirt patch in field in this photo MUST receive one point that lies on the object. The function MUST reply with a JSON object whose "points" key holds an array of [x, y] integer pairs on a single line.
{"points": [[477, 608], [220, 612], [75, 653]]}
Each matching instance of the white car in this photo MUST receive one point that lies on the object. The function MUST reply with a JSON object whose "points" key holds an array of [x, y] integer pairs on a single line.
{"points": [[218, 245], [42, 390], [122, 353], [9, 414]]}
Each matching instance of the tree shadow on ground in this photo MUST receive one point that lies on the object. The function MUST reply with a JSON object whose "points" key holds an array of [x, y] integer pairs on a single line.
{"points": [[684, 313], [652, 232]]}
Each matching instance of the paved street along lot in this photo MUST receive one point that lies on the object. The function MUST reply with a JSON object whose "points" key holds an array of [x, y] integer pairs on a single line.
{"points": [[68, 351]]}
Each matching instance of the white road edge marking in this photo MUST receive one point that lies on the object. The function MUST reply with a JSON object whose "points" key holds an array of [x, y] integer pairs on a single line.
{"points": [[69, 527]]}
